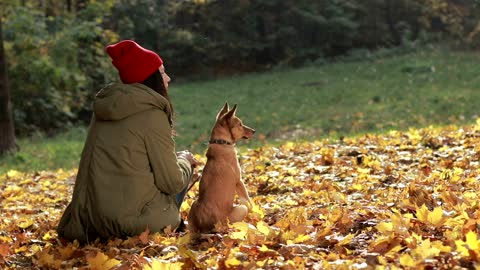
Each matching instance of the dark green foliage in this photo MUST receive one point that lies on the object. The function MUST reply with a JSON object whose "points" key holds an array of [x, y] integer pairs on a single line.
{"points": [[57, 62], [387, 22], [43, 88], [90, 36], [51, 75], [247, 35], [142, 20]]}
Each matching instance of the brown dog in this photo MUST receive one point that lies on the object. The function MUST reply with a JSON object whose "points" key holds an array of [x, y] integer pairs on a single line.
{"points": [[221, 177]]}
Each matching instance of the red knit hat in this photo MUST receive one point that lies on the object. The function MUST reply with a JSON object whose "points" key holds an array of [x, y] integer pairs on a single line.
{"points": [[133, 62]]}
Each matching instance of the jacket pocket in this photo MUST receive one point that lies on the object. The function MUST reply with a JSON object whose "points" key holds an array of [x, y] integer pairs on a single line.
{"points": [[159, 202]]}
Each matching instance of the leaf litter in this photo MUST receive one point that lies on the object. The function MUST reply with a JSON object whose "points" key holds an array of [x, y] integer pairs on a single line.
{"points": [[397, 200]]}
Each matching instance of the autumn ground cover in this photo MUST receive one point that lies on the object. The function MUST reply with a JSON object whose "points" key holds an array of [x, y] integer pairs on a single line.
{"points": [[404, 200]]}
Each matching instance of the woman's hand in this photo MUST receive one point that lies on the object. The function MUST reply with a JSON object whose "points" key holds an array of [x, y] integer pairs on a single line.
{"points": [[189, 156]]}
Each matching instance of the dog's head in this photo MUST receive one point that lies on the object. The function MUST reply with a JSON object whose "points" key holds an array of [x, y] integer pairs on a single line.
{"points": [[227, 119]]}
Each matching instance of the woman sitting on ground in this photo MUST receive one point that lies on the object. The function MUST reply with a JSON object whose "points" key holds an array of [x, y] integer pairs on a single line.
{"points": [[130, 176]]}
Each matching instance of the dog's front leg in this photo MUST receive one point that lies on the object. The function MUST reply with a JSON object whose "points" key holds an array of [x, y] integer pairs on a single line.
{"points": [[243, 194], [238, 213]]}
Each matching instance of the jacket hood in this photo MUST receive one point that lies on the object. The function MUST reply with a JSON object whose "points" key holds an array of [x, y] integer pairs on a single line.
{"points": [[118, 101]]}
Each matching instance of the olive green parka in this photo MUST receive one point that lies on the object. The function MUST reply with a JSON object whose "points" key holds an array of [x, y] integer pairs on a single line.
{"points": [[129, 173]]}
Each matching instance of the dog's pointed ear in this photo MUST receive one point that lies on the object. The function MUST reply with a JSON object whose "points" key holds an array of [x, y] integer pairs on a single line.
{"points": [[223, 111], [231, 113]]}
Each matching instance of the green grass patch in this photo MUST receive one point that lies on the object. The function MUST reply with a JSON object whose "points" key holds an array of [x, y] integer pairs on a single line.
{"points": [[41, 153], [434, 87], [339, 99]]}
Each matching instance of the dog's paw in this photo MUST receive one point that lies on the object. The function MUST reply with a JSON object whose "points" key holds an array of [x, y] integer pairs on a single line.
{"points": [[247, 202]]}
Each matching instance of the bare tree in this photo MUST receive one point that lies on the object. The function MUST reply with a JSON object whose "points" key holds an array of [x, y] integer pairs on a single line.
{"points": [[7, 132]]}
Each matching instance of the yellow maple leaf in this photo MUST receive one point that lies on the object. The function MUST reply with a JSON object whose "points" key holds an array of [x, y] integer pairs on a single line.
{"points": [[439, 245], [264, 248], [25, 223], [21, 249], [394, 251], [261, 263], [185, 252], [185, 206], [299, 239], [462, 248], [382, 261], [385, 227], [101, 262], [363, 170], [422, 213], [425, 250], [35, 248], [436, 216], [346, 240], [10, 191], [263, 228], [49, 235], [5, 239], [471, 240], [160, 265], [357, 187], [407, 260], [184, 240], [12, 173], [232, 261], [257, 211], [242, 230]]}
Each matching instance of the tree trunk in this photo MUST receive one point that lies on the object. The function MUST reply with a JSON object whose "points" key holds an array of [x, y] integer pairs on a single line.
{"points": [[7, 133], [81, 4], [49, 9], [389, 13], [69, 6]]}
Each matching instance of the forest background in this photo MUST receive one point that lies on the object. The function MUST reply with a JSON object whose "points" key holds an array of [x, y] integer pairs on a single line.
{"points": [[55, 49]]}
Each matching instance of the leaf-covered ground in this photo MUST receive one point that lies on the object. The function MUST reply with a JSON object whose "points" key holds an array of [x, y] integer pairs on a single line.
{"points": [[403, 199]]}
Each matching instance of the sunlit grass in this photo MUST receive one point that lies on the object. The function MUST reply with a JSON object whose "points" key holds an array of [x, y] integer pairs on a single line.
{"points": [[434, 87], [39, 153], [340, 99]]}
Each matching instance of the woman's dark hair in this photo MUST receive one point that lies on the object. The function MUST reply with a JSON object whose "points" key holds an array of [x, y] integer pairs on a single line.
{"points": [[155, 82]]}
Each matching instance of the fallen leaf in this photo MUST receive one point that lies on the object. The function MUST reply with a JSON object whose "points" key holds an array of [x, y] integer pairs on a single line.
{"points": [[4, 249], [144, 236], [100, 261]]}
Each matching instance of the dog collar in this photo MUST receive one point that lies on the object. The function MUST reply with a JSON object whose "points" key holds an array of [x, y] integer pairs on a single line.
{"points": [[219, 141]]}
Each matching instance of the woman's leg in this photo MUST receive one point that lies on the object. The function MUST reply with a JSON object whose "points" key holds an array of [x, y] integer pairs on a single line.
{"points": [[179, 199], [181, 196]]}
